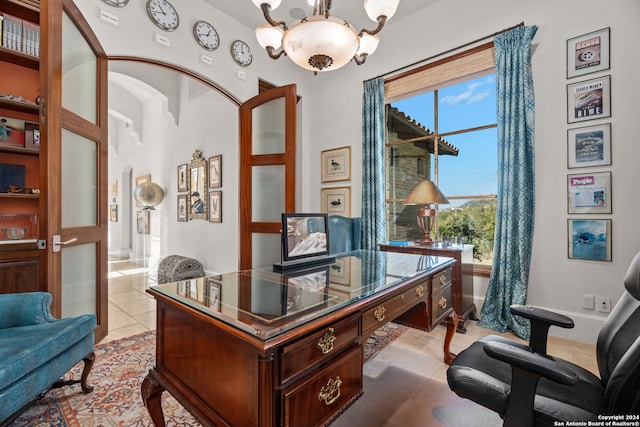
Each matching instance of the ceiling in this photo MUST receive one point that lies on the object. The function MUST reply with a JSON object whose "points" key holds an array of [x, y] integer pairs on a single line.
{"points": [[352, 11]]}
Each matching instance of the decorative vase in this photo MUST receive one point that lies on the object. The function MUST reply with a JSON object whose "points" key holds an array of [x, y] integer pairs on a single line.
{"points": [[149, 195]]}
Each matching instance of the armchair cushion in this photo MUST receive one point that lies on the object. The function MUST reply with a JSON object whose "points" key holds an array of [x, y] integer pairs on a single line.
{"points": [[345, 234]]}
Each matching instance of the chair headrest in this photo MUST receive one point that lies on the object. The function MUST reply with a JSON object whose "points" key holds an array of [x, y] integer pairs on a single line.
{"points": [[632, 279]]}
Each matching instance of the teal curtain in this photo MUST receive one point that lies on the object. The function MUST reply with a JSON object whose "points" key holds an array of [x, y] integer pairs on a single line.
{"points": [[515, 198], [374, 222]]}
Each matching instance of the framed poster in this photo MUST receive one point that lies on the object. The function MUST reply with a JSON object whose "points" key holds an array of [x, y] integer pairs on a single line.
{"points": [[336, 201], [215, 171], [182, 208], [590, 239], [589, 146], [143, 222], [183, 183], [588, 53], [215, 206], [336, 164], [113, 213], [32, 136], [589, 100], [12, 132], [589, 193]]}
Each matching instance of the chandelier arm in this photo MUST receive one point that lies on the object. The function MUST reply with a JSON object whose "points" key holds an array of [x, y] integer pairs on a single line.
{"points": [[270, 51], [381, 21], [360, 59], [265, 11]]}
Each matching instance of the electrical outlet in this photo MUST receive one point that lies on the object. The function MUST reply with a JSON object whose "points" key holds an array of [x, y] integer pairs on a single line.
{"points": [[604, 304], [588, 302]]}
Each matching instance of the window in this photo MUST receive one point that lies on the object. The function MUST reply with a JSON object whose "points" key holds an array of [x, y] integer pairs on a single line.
{"points": [[452, 102]]}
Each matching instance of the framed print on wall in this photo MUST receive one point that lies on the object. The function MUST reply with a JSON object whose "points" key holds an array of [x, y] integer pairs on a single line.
{"points": [[336, 164], [183, 182], [182, 208], [143, 222], [588, 100], [336, 201], [215, 171], [215, 206], [588, 53], [589, 193], [113, 213], [590, 239], [589, 146]]}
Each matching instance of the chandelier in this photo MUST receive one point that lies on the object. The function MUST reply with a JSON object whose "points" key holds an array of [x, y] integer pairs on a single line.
{"points": [[322, 42]]}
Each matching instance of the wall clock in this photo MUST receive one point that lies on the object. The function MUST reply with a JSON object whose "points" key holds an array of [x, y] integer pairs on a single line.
{"points": [[206, 35], [116, 3], [163, 14], [241, 53]]}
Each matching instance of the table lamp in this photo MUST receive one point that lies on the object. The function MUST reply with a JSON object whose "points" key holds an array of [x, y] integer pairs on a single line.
{"points": [[425, 193]]}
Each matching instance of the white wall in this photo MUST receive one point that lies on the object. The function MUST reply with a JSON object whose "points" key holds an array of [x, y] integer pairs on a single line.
{"points": [[331, 115]]}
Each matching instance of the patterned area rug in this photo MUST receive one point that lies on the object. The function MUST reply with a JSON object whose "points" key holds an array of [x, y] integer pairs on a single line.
{"points": [[117, 374]]}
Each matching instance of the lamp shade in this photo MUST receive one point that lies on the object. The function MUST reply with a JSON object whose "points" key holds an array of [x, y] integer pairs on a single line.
{"points": [[272, 3], [269, 36], [368, 44], [425, 193], [377, 8]]}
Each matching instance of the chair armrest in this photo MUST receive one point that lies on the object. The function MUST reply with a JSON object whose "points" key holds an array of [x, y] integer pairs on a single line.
{"points": [[540, 320], [22, 309], [526, 370]]}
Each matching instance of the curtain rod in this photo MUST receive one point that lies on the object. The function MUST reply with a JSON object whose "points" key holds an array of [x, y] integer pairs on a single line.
{"points": [[446, 52]]}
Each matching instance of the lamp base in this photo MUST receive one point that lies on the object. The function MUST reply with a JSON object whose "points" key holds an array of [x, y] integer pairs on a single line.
{"points": [[425, 241]]}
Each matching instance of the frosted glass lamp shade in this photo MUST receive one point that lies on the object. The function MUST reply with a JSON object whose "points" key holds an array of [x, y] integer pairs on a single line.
{"points": [[272, 3], [320, 43], [368, 44], [269, 36], [148, 194], [377, 8]]}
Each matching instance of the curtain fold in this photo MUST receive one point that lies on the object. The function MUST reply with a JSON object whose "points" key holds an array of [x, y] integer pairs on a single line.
{"points": [[374, 229], [516, 182]]}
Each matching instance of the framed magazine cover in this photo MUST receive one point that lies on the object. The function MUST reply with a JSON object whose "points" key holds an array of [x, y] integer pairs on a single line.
{"points": [[589, 193], [588, 53], [589, 239], [588, 100], [589, 146]]}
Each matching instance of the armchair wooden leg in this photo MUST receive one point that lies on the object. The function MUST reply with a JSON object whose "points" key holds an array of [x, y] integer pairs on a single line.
{"points": [[88, 364]]}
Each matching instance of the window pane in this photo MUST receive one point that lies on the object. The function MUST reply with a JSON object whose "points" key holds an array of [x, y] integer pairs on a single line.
{"points": [[467, 105], [401, 222], [475, 221], [407, 165], [420, 108]]}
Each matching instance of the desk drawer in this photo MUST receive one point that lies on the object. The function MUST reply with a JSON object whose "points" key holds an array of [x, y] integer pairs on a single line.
{"points": [[441, 280], [389, 309], [316, 398], [441, 305], [317, 347]]}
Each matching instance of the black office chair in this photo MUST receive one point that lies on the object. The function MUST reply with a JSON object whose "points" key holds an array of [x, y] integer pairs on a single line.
{"points": [[527, 387]]}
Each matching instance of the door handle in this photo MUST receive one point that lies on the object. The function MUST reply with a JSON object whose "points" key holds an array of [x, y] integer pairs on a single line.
{"points": [[57, 243]]}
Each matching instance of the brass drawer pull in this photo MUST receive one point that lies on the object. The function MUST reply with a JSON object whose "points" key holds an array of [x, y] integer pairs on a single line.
{"points": [[331, 392], [420, 291], [325, 344], [443, 279], [379, 313], [443, 303]]}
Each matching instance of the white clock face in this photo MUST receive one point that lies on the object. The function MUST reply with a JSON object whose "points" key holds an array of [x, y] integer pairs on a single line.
{"points": [[241, 53], [116, 3], [163, 14], [206, 35]]}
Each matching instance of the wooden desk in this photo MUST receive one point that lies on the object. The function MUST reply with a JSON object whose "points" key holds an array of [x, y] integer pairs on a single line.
{"points": [[462, 279], [256, 348]]}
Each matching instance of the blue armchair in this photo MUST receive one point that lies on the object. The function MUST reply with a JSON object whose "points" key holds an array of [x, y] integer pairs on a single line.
{"points": [[345, 234], [36, 350]]}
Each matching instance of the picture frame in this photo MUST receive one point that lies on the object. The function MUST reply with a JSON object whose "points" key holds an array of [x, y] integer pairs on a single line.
{"points": [[589, 239], [336, 201], [143, 222], [215, 206], [183, 181], [589, 100], [588, 53], [182, 208], [213, 294], [589, 146], [12, 132], [336, 164], [32, 136], [215, 171], [114, 189], [113, 213], [141, 180], [589, 193]]}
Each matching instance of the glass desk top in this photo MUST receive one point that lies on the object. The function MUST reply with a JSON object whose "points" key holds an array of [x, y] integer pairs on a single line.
{"points": [[265, 303]]}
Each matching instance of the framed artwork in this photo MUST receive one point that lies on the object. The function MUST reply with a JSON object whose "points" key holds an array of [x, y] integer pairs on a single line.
{"points": [[336, 201], [589, 193], [588, 53], [336, 164], [141, 180], [113, 213], [182, 208], [215, 206], [143, 222], [12, 132], [32, 136], [590, 239], [114, 188], [215, 171], [212, 294], [588, 100], [340, 272], [183, 182], [589, 146]]}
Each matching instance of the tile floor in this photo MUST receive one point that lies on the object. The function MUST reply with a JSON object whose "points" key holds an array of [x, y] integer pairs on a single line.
{"points": [[132, 311]]}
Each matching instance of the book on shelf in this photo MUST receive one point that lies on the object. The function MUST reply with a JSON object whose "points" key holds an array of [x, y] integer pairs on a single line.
{"points": [[16, 34], [398, 243]]}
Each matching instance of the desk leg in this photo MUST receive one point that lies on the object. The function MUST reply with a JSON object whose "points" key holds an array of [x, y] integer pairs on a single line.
{"points": [[151, 396], [452, 323]]}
